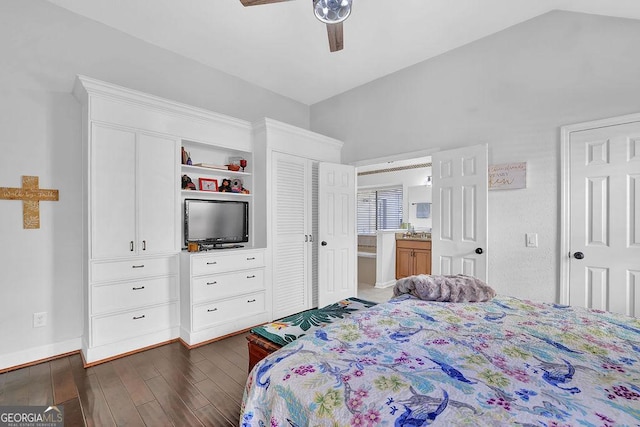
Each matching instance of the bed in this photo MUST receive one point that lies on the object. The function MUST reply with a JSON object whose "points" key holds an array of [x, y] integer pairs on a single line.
{"points": [[410, 362]]}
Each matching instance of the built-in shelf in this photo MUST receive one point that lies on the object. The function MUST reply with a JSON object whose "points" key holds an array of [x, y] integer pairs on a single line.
{"points": [[215, 194], [212, 171]]}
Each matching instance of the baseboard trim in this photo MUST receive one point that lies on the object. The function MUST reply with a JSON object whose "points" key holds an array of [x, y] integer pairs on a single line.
{"points": [[35, 355], [383, 285]]}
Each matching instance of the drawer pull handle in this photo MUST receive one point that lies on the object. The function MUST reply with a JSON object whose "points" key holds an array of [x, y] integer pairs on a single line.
{"points": [[211, 283], [138, 317], [212, 263], [251, 258], [209, 310], [138, 266], [137, 289], [251, 300], [131, 246], [251, 277], [144, 245]]}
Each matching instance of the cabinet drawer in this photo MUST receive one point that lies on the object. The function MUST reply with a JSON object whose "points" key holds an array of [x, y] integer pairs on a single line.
{"points": [[131, 294], [218, 263], [209, 314], [227, 284], [133, 268], [413, 244], [108, 329]]}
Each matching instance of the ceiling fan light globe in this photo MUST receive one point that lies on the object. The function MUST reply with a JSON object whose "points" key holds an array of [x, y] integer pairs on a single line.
{"points": [[332, 11]]}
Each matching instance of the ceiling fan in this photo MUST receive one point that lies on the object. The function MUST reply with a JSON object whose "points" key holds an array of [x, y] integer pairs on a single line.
{"points": [[331, 12]]}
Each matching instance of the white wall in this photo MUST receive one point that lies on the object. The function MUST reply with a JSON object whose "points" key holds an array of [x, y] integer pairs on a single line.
{"points": [[512, 90], [42, 49]]}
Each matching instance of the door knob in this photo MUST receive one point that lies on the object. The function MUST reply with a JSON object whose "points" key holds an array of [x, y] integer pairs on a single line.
{"points": [[479, 251], [323, 243], [578, 255]]}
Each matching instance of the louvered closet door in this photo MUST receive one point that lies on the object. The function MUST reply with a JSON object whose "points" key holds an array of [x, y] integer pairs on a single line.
{"points": [[291, 224]]}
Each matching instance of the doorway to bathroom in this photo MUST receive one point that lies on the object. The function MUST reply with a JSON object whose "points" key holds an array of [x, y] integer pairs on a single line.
{"points": [[394, 198]]}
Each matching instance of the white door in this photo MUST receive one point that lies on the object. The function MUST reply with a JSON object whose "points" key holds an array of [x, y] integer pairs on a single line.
{"points": [[337, 233], [290, 222], [460, 218], [157, 193], [113, 181], [604, 242]]}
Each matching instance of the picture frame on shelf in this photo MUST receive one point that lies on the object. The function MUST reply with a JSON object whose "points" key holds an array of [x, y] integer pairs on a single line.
{"points": [[207, 184]]}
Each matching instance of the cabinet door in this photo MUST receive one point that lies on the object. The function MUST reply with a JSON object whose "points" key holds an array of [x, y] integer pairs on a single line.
{"points": [[404, 262], [290, 222], [157, 188], [112, 192], [422, 260]]}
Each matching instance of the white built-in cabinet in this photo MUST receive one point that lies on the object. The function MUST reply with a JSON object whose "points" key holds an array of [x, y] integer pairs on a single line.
{"points": [[133, 195], [132, 204], [140, 289], [222, 292]]}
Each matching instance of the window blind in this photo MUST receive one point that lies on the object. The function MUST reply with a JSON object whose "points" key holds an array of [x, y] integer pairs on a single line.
{"points": [[379, 209]]}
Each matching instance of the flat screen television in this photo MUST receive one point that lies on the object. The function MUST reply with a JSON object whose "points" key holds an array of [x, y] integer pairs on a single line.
{"points": [[216, 223]]}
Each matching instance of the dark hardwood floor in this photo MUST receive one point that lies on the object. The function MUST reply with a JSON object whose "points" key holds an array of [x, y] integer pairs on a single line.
{"points": [[164, 386]]}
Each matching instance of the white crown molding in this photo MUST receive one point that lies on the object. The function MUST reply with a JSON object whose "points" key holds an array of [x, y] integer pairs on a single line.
{"points": [[87, 85]]}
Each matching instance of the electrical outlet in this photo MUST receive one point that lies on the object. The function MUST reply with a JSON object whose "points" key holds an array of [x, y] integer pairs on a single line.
{"points": [[39, 319]]}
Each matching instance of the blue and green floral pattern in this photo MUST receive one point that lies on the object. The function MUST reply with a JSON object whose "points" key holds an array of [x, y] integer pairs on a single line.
{"points": [[291, 328], [414, 363]]}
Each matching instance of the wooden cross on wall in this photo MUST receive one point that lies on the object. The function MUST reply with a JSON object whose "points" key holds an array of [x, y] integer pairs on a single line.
{"points": [[31, 196]]}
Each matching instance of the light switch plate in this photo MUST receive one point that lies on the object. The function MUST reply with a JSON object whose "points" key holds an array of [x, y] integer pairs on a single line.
{"points": [[532, 240]]}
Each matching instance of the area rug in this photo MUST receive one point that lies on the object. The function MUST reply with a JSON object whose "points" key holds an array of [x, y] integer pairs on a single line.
{"points": [[292, 327]]}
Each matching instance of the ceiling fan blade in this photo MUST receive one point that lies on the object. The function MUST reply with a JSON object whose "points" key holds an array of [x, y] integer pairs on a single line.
{"points": [[257, 2], [336, 37]]}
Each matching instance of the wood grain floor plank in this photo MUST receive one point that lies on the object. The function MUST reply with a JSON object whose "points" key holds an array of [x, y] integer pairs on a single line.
{"points": [[16, 388], [64, 387], [135, 385], [182, 386], [165, 386], [222, 380], [225, 404], [77, 367], [227, 350], [3, 378], [94, 405], [153, 415], [178, 349], [176, 361], [120, 404], [140, 362], [40, 389], [239, 374], [210, 417], [171, 403], [73, 413]]}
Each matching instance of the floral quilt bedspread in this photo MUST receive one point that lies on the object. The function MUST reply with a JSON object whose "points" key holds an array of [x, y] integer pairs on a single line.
{"points": [[414, 363]]}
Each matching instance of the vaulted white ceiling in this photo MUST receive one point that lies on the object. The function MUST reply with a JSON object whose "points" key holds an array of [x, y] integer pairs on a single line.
{"points": [[283, 48]]}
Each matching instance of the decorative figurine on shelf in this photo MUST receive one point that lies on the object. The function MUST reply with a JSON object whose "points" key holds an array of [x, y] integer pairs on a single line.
{"points": [[187, 184], [237, 187], [225, 187], [243, 163], [186, 157]]}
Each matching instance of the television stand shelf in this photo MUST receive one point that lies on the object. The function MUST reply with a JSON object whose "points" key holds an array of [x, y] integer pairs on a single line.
{"points": [[214, 247]]}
